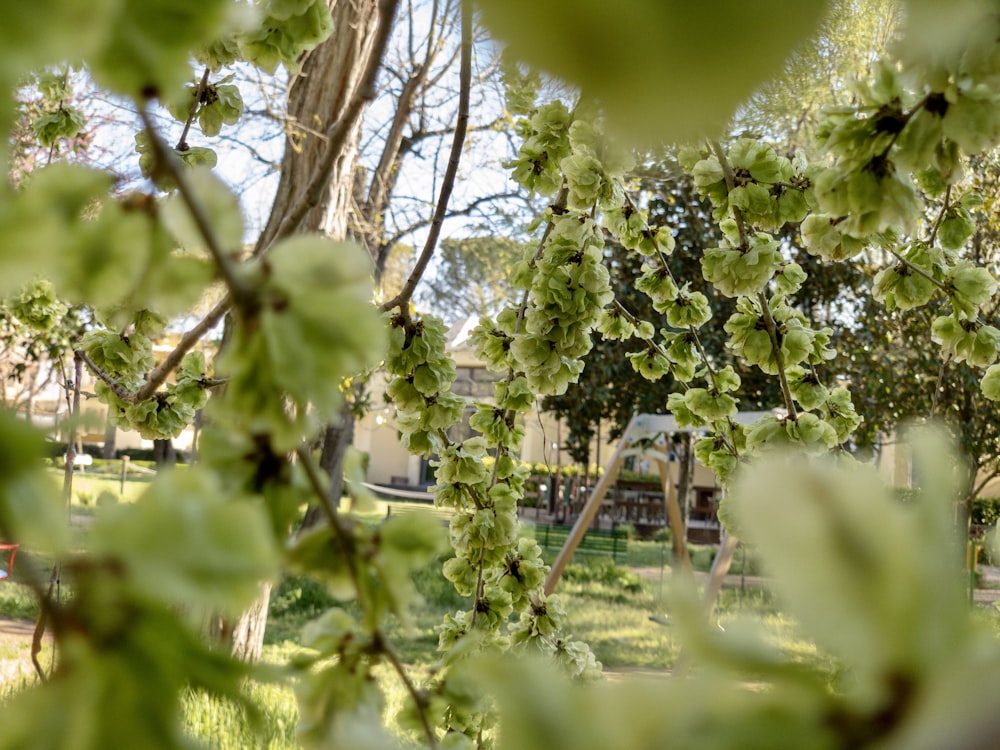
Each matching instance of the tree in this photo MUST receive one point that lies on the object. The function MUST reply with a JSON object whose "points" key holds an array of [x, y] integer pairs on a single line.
{"points": [[911, 380], [472, 277], [851, 37], [844, 554], [788, 111], [345, 191]]}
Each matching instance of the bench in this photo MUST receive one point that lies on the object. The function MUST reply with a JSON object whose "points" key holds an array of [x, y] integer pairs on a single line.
{"points": [[441, 514], [612, 543], [83, 460]]}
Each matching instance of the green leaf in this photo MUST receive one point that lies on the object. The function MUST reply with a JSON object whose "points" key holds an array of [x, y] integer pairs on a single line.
{"points": [[845, 555], [287, 29], [990, 384], [151, 42], [220, 206], [186, 543], [636, 59], [65, 122]]}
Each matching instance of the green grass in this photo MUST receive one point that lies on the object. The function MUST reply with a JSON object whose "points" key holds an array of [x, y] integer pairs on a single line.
{"points": [[90, 485], [16, 599], [610, 607], [223, 725]]}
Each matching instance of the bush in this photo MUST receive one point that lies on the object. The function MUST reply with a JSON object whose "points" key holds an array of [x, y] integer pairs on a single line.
{"points": [[627, 475], [627, 529], [57, 450], [300, 597], [146, 454], [986, 511]]}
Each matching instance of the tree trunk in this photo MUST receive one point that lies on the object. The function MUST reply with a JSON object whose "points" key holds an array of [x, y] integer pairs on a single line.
{"points": [[248, 632], [164, 453], [110, 433], [317, 98], [337, 438], [245, 636], [684, 479]]}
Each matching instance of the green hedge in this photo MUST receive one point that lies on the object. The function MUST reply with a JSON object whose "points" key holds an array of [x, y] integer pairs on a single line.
{"points": [[986, 511]]}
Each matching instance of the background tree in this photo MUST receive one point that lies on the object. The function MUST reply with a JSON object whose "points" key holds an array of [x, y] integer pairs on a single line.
{"points": [[471, 277], [907, 379], [851, 37], [784, 111], [37, 335]]}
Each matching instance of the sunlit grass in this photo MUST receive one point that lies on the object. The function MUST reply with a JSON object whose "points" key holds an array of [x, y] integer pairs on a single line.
{"points": [[223, 725], [90, 485]]}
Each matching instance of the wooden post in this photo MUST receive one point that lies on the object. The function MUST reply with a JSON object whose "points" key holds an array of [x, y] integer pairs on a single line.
{"points": [[125, 460], [720, 566], [674, 514], [587, 514]]}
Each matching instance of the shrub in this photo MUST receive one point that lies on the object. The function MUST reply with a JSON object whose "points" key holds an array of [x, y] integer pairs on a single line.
{"points": [[300, 597], [986, 511]]}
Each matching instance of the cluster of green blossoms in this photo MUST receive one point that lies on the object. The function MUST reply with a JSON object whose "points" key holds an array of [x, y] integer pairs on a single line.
{"points": [[902, 144], [909, 136], [501, 573]]}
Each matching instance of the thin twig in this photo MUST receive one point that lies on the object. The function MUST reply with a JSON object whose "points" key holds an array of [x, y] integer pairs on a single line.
{"points": [[779, 360], [448, 181], [117, 388], [919, 271], [382, 644], [730, 178], [940, 217], [238, 286], [329, 505], [46, 603], [557, 209], [182, 144], [769, 324], [935, 397], [39, 632], [159, 374]]}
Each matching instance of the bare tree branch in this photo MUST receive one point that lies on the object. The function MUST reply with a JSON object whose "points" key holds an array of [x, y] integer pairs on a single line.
{"points": [[448, 183]]}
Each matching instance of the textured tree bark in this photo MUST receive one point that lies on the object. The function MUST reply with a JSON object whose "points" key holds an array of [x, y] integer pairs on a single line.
{"points": [[247, 636], [331, 74], [110, 433], [318, 97]]}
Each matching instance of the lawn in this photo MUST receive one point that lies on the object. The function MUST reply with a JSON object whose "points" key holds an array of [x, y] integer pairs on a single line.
{"points": [[101, 482]]}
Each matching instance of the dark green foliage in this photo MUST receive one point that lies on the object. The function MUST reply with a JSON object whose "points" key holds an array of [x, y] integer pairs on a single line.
{"points": [[613, 544], [472, 277], [300, 596], [986, 511]]}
